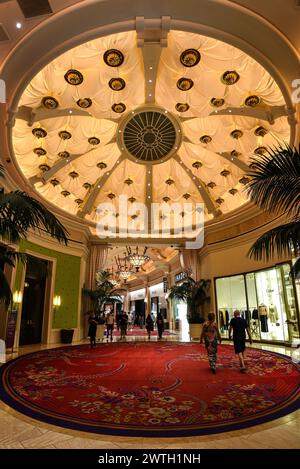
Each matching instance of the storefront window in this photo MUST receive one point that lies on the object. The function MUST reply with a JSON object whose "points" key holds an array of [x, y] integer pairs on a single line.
{"points": [[266, 299], [231, 295]]}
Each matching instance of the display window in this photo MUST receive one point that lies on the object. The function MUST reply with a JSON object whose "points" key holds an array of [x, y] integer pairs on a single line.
{"points": [[266, 299]]}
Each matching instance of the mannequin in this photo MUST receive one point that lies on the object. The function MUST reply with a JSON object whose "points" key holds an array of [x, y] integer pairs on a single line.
{"points": [[263, 316]]}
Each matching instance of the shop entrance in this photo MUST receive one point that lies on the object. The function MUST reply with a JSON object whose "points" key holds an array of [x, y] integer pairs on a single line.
{"points": [[266, 299], [33, 306]]}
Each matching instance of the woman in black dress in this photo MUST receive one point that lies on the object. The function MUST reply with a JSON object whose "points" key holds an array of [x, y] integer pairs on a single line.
{"points": [[92, 330], [160, 325], [149, 325]]}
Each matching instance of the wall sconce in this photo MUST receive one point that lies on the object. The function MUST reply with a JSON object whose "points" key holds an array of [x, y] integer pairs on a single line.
{"points": [[56, 301], [17, 298]]}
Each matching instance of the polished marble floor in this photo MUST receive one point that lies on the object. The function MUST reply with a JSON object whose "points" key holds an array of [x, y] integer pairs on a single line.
{"points": [[18, 431]]}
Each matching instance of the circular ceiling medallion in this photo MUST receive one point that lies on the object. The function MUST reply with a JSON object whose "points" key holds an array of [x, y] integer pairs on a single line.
{"points": [[260, 150], [260, 131], [252, 100], [117, 84], [74, 77], [101, 165], [244, 180], [149, 135], [118, 107], [217, 102], [230, 77], [225, 173], [54, 182], [182, 107], [44, 167], [65, 193], [49, 102], [113, 58], [205, 139], [197, 164], [233, 191], [185, 84], [39, 132], [64, 154], [65, 135], [39, 151], [190, 57], [84, 103], [236, 133], [94, 141]]}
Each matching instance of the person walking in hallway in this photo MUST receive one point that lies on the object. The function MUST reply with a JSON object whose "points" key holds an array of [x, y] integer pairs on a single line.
{"points": [[110, 321], [239, 327], [149, 325], [123, 325], [92, 330], [160, 325], [211, 335]]}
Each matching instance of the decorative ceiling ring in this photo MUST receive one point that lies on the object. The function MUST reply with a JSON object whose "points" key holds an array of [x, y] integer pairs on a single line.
{"points": [[149, 135]]}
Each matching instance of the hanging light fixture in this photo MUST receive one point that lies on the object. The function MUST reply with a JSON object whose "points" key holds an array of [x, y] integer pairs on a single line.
{"points": [[136, 258], [124, 272], [113, 278]]}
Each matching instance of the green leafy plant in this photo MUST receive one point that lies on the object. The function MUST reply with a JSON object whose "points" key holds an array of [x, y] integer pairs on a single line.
{"points": [[195, 294], [104, 293], [275, 187], [20, 214]]}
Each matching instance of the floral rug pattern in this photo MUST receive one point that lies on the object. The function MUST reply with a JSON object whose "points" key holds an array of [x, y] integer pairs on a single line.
{"points": [[162, 389]]}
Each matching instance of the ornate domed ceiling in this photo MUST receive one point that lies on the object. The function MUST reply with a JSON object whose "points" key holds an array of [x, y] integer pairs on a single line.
{"points": [[109, 118]]}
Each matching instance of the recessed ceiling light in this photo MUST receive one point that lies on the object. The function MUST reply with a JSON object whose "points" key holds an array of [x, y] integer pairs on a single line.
{"points": [[150, 94], [150, 81], [229, 110], [99, 187], [150, 68], [18, 25], [70, 111]]}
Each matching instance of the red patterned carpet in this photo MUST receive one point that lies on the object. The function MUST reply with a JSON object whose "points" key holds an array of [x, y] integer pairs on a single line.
{"points": [[150, 389]]}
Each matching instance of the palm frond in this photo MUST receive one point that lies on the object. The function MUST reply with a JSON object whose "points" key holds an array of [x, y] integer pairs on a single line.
{"points": [[275, 180], [19, 213], [1, 171], [5, 291], [284, 240]]}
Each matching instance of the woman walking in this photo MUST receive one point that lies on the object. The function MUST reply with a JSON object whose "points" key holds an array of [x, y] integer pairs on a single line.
{"points": [[149, 325], [92, 330], [160, 325], [211, 336]]}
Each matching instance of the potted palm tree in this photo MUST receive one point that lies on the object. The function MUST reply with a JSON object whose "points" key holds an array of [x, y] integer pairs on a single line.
{"points": [[275, 187], [20, 213], [195, 293], [104, 293]]}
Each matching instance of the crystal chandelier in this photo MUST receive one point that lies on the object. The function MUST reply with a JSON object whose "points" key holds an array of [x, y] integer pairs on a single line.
{"points": [[124, 272], [136, 258]]}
